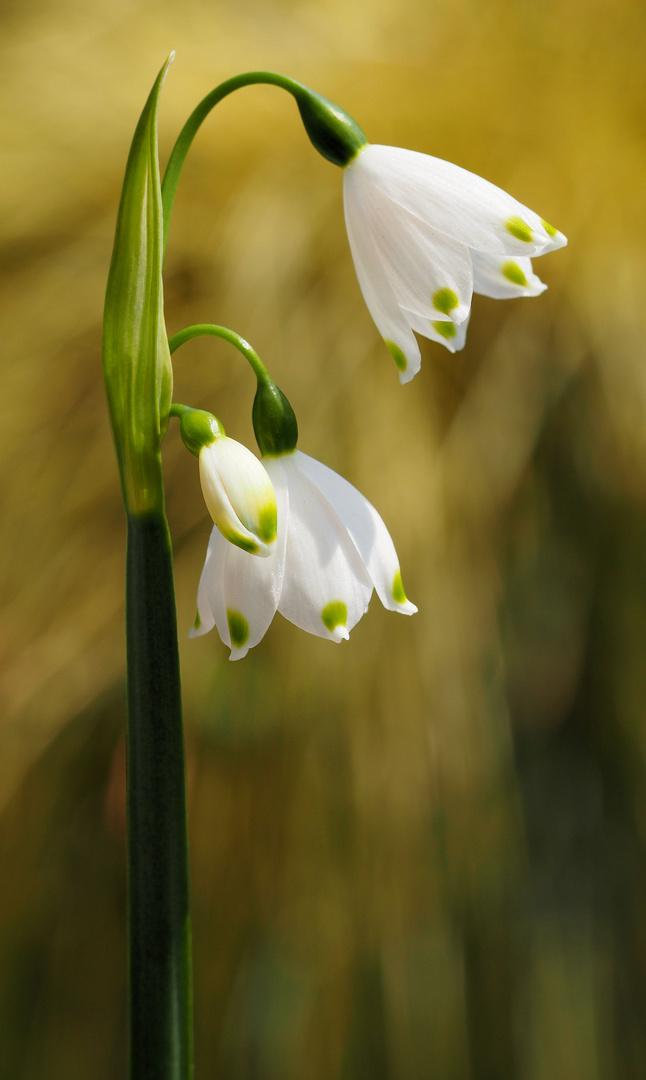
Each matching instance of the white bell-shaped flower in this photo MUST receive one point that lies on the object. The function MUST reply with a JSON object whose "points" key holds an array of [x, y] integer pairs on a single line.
{"points": [[332, 550], [239, 495], [424, 235]]}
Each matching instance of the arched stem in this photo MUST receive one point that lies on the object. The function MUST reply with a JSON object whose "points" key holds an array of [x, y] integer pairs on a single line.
{"points": [[331, 130], [197, 118], [210, 330]]}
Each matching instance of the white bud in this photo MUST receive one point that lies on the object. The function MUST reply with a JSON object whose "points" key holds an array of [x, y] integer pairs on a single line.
{"points": [[239, 495]]}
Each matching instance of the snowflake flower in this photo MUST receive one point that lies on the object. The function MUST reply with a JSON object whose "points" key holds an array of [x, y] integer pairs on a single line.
{"points": [[332, 549], [426, 234]]}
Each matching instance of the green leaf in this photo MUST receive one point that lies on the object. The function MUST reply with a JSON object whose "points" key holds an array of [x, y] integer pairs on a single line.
{"points": [[136, 358]]}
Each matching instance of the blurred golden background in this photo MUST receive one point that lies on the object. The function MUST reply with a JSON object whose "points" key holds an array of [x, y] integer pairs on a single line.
{"points": [[423, 853]]}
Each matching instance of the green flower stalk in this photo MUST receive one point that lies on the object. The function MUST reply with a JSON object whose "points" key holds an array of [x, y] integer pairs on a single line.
{"points": [[138, 378], [332, 131]]}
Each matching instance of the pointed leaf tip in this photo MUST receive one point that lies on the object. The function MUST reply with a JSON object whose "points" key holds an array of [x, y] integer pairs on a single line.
{"points": [[136, 359]]}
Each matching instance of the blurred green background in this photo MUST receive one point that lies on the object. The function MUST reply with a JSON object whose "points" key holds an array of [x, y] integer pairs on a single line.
{"points": [[423, 853]]}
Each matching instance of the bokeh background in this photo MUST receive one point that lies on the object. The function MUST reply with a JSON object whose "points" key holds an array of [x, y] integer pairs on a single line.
{"points": [[423, 853]]}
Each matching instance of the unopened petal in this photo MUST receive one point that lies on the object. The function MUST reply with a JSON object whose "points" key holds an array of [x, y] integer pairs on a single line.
{"points": [[366, 529], [239, 593], [502, 278], [326, 588], [239, 495]]}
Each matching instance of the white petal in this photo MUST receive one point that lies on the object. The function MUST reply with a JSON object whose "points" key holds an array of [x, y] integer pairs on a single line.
{"points": [[503, 278], [557, 239], [238, 494], [252, 586], [445, 333], [210, 594], [377, 290], [429, 273], [454, 201], [238, 592], [326, 588], [367, 530]]}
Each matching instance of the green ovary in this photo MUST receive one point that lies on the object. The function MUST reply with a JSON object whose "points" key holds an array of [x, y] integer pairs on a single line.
{"points": [[238, 628], [398, 589], [445, 300], [397, 355], [334, 614], [446, 329], [513, 273], [519, 228]]}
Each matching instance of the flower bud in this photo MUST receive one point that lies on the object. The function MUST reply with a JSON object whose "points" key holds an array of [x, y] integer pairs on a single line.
{"points": [[238, 494]]}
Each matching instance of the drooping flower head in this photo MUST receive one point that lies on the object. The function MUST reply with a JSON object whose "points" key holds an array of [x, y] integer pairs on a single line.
{"points": [[332, 549], [426, 234], [236, 488]]}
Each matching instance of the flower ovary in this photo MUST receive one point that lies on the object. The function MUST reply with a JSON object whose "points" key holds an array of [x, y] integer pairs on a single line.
{"points": [[198, 429], [331, 129], [274, 422]]}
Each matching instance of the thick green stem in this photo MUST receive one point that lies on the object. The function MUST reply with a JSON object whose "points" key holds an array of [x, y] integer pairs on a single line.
{"points": [[158, 874]]}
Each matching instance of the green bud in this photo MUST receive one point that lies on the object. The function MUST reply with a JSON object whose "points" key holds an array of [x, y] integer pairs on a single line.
{"points": [[136, 358], [199, 428], [331, 129], [274, 422]]}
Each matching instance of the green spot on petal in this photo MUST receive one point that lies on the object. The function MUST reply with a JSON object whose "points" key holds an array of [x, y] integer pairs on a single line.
{"points": [[520, 229], [513, 273], [238, 628], [398, 589], [334, 614], [267, 524], [446, 329], [549, 229], [240, 541], [445, 300], [198, 621], [397, 355]]}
